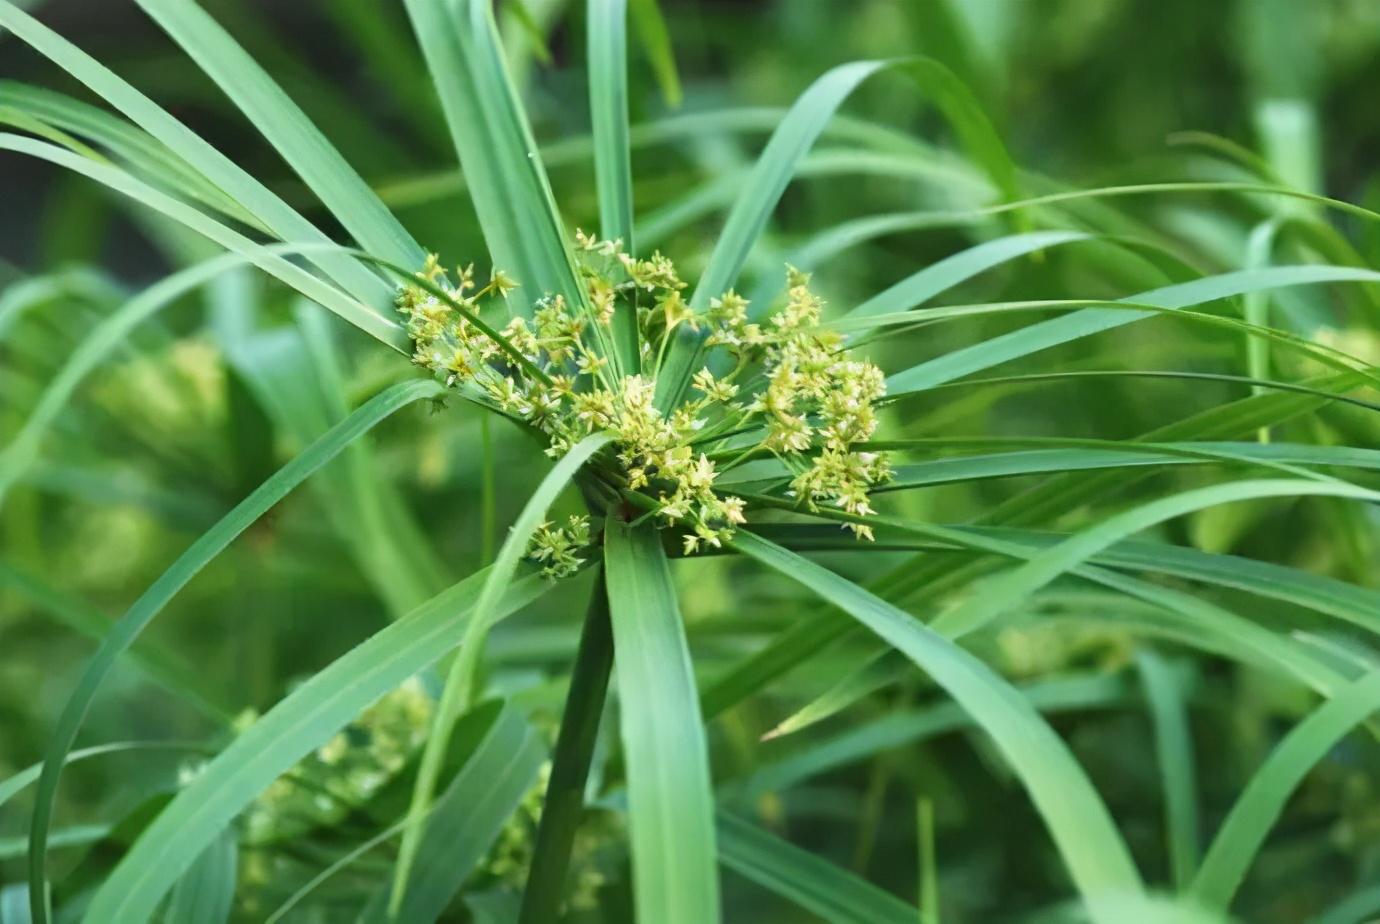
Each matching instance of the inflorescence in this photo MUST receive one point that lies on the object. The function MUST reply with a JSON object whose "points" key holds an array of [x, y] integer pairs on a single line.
{"points": [[785, 387]]}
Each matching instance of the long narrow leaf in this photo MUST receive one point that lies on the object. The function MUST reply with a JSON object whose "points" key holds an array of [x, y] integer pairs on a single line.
{"points": [[256, 198], [288, 129], [466, 819], [671, 810], [1045, 334], [384, 329], [502, 169], [608, 106], [811, 882], [1264, 798]]}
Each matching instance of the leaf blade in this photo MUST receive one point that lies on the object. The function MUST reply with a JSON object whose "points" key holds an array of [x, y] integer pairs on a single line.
{"points": [[671, 809]]}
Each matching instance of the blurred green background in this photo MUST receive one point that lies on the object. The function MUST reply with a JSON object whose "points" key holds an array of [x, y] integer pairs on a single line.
{"points": [[182, 425]]}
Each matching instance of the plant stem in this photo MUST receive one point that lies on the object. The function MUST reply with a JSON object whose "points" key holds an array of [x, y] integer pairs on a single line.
{"points": [[560, 816]]}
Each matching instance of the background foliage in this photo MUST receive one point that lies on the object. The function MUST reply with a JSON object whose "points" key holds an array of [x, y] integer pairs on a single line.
{"points": [[881, 776]]}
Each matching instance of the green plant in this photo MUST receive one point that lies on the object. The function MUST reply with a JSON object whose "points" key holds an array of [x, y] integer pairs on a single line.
{"points": [[713, 428]]}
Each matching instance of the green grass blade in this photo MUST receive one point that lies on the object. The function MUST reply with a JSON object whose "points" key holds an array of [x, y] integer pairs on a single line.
{"points": [[802, 639], [1255, 307], [256, 198], [1262, 801], [466, 819], [999, 596], [924, 285], [503, 172], [304, 720], [651, 30], [458, 694], [131, 146], [873, 674], [1092, 848], [1182, 616], [675, 876], [201, 552], [206, 893], [25, 778], [378, 326], [1165, 696], [393, 548], [565, 793], [608, 106], [1055, 331], [813, 883], [288, 129], [957, 469], [1071, 693], [1191, 621]]}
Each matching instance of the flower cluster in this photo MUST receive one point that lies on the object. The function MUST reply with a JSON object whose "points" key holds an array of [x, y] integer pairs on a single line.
{"points": [[556, 548], [784, 388]]}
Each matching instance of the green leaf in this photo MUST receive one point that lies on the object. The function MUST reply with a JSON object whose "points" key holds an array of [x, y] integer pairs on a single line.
{"points": [[24, 778], [811, 882], [920, 287], [133, 147], [1055, 331], [1087, 839], [1072, 693], [459, 691], [1179, 615], [288, 129], [206, 893], [503, 172], [1355, 908], [876, 672], [467, 818], [1263, 800], [675, 877], [304, 720], [1000, 595], [1165, 696], [954, 469], [318, 291], [123, 633], [392, 546], [656, 42], [608, 106], [220, 170]]}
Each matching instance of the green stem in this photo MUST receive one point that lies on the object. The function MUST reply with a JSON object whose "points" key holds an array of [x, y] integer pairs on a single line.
{"points": [[560, 817]]}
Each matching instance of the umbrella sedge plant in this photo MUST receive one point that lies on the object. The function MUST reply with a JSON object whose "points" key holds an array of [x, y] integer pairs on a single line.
{"points": [[729, 413]]}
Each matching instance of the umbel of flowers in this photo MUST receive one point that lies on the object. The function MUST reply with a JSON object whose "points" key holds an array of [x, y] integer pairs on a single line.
{"points": [[784, 387]]}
